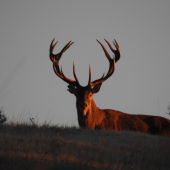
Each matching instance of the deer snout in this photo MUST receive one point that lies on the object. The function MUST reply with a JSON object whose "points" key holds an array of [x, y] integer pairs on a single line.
{"points": [[83, 105]]}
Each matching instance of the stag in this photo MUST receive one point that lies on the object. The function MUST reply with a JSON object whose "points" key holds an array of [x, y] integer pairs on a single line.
{"points": [[89, 115]]}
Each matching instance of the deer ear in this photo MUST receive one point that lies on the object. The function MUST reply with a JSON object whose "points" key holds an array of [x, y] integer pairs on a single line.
{"points": [[72, 89], [96, 88]]}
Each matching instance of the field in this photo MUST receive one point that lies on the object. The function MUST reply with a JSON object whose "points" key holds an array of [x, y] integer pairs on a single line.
{"points": [[29, 147]]}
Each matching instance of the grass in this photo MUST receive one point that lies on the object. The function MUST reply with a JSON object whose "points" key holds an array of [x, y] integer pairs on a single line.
{"points": [[30, 147]]}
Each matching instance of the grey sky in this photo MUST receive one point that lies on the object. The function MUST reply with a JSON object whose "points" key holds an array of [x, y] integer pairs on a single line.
{"points": [[140, 84]]}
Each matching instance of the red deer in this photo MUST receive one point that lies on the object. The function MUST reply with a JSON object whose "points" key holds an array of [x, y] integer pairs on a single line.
{"points": [[90, 116]]}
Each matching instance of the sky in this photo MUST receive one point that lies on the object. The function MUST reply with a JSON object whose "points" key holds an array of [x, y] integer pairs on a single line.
{"points": [[29, 87]]}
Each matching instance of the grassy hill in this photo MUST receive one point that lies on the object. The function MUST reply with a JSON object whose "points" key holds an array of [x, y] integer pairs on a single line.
{"points": [[45, 147]]}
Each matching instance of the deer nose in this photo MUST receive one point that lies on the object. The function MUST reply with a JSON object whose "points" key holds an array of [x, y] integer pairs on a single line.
{"points": [[83, 105]]}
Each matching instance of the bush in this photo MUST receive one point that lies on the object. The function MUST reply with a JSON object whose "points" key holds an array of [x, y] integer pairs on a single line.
{"points": [[2, 117]]}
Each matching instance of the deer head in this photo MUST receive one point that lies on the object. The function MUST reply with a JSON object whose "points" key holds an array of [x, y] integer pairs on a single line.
{"points": [[86, 107]]}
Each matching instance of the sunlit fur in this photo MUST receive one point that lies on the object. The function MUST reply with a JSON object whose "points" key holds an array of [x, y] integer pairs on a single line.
{"points": [[90, 116]]}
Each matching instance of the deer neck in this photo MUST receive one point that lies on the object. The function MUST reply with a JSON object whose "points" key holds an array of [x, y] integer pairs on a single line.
{"points": [[92, 117]]}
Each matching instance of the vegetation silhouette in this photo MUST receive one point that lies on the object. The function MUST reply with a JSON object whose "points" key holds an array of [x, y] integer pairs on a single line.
{"points": [[90, 116], [2, 117], [168, 109]]}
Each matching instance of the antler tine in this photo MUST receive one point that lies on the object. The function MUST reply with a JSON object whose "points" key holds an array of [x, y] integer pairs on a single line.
{"points": [[116, 43], [62, 76], [109, 73], [52, 56], [64, 49], [105, 51], [111, 67], [89, 82], [59, 55], [53, 45], [55, 59], [74, 73], [89, 75], [110, 45]]}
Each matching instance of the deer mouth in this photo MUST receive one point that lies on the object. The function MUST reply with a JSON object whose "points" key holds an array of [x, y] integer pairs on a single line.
{"points": [[82, 112]]}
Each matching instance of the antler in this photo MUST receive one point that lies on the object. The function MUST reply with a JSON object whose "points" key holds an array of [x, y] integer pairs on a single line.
{"points": [[55, 59], [111, 61]]}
